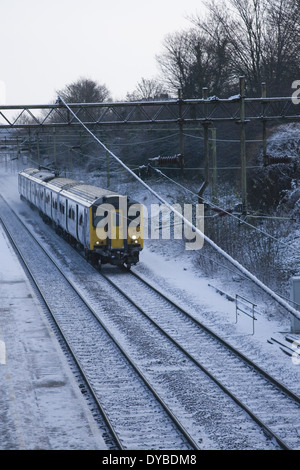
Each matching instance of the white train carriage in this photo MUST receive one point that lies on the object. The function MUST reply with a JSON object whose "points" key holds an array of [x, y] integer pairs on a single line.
{"points": [[72, 207]]}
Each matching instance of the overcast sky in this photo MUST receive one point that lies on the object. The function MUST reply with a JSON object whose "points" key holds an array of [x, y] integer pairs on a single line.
{"points": [[46, 44]]}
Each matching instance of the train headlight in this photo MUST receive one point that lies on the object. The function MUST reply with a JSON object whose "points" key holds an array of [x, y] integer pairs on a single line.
{"points": [[133, 237]]}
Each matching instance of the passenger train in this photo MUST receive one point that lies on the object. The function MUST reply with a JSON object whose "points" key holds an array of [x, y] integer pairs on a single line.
{"points": [[106, 225]]}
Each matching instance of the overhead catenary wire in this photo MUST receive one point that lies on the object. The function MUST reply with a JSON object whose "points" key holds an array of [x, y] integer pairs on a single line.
{"points": [[230, 141], [241, 268]]}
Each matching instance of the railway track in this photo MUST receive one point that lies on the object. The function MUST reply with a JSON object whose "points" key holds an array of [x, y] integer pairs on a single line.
{"points": [[275, 408], [134, 413], [98, 412], [190, 375]]}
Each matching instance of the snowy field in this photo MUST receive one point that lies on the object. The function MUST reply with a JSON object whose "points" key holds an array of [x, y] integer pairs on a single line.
{"points": [[175, 271]]}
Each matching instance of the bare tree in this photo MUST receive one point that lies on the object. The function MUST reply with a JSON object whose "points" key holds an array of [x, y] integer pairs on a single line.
{"points": [[264, 40], [85, 90], [148, 90], [242, 22], [256, 38], [193, 60], [282, 45]]}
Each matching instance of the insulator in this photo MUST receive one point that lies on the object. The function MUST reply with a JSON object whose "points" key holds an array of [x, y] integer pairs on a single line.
{"points": [[221, 212], [172, 160], [274, 160]]}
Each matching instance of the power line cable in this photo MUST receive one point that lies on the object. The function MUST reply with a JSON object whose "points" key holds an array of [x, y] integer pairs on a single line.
{"points": [[235, 141]]}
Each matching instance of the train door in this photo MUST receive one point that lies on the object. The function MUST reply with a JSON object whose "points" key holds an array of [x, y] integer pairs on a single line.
{"points": [[81, 224], [77, 222], [62, 212], [66, 216], [27, 183], [32, 197], [86, 227]]}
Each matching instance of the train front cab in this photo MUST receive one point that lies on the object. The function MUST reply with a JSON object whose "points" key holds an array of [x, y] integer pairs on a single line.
{"points": [[111, 238]]}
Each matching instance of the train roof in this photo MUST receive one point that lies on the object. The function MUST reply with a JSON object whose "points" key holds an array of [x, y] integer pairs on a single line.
{"points": [[42, 175], [85, 191]]}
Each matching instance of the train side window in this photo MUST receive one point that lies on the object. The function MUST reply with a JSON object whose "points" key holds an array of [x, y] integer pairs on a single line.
{"points": [[71, 213], [61, 208], [80, 219], [98, 220]]}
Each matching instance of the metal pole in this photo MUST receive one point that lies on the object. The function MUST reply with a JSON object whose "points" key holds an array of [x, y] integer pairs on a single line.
{"points": [[54, 146], [205, 125], [243, 145], [213, 131], [70, 160], [205, 133], [29, 146], [107, 169], [264, 95], [38, 148], [18, 148], [180, 122]]}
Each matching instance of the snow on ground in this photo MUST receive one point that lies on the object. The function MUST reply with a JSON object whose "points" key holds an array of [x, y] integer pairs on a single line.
{"points": [[173, 269], [179, 277], [41, 406]]}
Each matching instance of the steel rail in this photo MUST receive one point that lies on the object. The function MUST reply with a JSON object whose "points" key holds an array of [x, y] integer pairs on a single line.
{"points": [[66, 342], [255, 418], [225, 343]]}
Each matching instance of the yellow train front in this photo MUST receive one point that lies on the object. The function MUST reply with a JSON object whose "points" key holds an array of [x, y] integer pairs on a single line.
{"points": [[106, 225], [115, 230]]}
